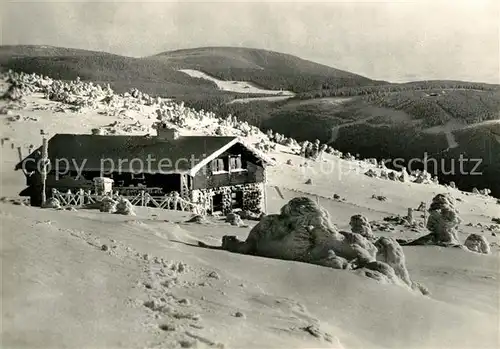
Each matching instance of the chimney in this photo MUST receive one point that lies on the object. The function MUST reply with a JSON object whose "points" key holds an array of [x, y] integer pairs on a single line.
{"points": [[165, 132]]}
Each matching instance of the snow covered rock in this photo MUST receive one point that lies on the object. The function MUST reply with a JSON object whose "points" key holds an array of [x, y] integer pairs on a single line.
{"points": [[234, 219], [246, 214]]}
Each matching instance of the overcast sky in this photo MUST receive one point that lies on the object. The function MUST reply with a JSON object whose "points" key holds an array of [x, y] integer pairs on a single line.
{"points": [[396, 40]]}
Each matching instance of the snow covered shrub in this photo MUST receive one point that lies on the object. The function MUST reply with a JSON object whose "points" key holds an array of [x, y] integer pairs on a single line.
{"points": [[52, 203], [97, 131], [371, 173], [443, 219], [485, 192], [442, 223], [14, 93], [404, 177], [125, 207], [107, 205], [423, 177]]}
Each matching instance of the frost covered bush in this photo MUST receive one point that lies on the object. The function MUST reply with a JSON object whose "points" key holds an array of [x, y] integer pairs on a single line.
{"points": [[302, 231], [423, 177], [360, 225], [314, 151], [125, 207], [15, 92], [76, 93], [107, 205], [404, 176], [485, 192], [442, 223], [265, 146], [443, 219], [52, 203], [97, 131]]}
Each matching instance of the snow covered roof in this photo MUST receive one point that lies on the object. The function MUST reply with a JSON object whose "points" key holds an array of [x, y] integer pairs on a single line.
{"points": [[132, 153]]}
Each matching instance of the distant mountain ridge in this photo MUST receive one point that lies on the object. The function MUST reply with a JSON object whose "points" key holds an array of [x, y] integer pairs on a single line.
{"points": [[45, 51], [270, 69], [158, 74]]}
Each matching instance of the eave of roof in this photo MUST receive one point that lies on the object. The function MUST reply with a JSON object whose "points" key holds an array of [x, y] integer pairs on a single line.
{"points": [[35, 156], [265, 159]]}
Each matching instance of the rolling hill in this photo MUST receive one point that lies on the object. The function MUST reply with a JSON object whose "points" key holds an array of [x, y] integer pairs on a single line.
{"points": [[370, 129], [160, 75], [122, 73], [269, 69], [351, 112]]}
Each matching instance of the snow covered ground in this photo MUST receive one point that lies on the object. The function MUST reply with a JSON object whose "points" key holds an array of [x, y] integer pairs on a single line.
{"points": [[152, 287], [235, 86]]}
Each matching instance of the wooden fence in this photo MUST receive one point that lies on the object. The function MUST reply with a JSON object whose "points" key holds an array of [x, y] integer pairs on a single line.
{"points": [[168, 202]]}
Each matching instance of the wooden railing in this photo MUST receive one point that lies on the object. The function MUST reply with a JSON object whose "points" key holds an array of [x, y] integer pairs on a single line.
{"points": [[168, 202]]}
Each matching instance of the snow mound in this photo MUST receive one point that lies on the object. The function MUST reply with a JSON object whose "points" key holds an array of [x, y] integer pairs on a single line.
{"points": [[390, 252], [477, 243], [303, 232]]}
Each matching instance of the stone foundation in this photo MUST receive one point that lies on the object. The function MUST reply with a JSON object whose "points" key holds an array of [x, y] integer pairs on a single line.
{"points": [[253, 198]]}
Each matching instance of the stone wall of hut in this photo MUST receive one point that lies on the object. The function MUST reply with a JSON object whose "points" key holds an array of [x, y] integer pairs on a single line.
{"points": [[253, 197]]}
